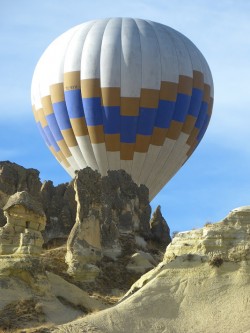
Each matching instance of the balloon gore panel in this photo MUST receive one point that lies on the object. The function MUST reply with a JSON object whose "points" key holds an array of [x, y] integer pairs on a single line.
{"points": [[123, 94]]}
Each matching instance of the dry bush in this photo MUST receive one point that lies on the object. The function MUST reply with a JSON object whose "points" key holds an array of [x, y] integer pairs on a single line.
{"points": [[54, 261], [20, 314], [190, 257], [216, 261]]}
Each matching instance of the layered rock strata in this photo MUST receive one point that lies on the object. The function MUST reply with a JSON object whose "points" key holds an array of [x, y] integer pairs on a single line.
{"points": [[25, 221], [228, 239]]}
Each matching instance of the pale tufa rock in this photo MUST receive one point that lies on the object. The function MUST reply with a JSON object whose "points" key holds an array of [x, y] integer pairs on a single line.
{"points": [[55, 301], [203, 285], [141, 262], [228, 239], [25, 221]]}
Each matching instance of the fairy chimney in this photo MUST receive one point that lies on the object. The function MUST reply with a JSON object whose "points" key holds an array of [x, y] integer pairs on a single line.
{"points": [[25, 221]]}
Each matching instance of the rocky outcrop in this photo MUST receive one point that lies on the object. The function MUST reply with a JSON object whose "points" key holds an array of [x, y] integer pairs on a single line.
{"points": [[60, 208], [112, 222], [58, 201], [31, 296], [202, 285], [228, 239], [14, 178], [160, 230], [141, 262], [25, 221]]}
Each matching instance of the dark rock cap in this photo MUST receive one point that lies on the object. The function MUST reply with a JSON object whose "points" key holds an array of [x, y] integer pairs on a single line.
{"points": [[25, 199]]}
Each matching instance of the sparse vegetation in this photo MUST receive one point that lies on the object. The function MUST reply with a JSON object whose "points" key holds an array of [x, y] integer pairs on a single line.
{"points": [[190, 257], [18, 314], [41, 329], [53, 261], [216, 261]]}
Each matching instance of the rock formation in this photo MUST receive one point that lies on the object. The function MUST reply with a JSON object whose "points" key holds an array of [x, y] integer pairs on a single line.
{"points": [[58, 201], [14, 178], [112, 229], [25, 221], [228, 240], [32, 297], [160, 230], [202, 285], [60, 208], [111, 244], [112, 224]]}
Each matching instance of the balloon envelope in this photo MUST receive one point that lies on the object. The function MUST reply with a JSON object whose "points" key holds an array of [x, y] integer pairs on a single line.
{"points": [[123, 93]]}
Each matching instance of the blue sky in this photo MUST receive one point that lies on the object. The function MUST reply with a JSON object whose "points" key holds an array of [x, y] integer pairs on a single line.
{"points": [[216, 178]]}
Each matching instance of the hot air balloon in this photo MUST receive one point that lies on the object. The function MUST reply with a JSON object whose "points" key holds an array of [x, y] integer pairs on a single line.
{"points": [[123, 93]]}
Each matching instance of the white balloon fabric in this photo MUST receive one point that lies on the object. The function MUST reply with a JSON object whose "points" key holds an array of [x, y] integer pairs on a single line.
{"points": [[123, 93]]}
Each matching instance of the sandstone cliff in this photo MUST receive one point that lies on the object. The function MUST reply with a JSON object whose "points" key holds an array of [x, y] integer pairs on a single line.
{"points": [[202, 285]]}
